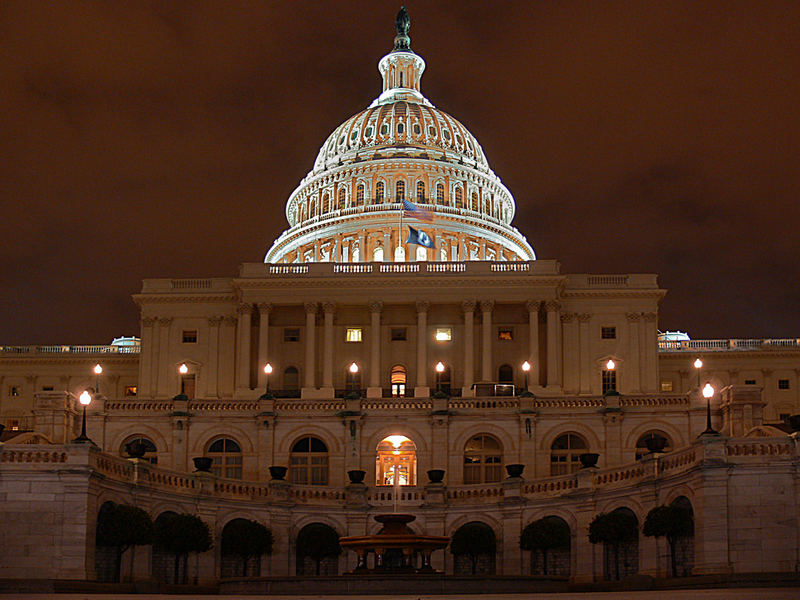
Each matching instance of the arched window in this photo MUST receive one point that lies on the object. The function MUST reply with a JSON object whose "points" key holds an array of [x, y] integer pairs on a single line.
{"points": [[483, 459], [377, 254], [505, 374], [439, 193], [380, 191], [397, 457], [443, 254], [399, 254], [291, 378], [400, 191], [565, 453], [135, 445], [227, 458], [360, 194], [420, 191], [342, 195], [653, 441], [473, 546], [474, 201], [309, 461], [422, 253], [459, 198], [398, 380], [326, 204]]}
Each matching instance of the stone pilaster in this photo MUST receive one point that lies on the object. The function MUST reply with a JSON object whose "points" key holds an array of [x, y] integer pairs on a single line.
{"points": [[243, 347], [633, 384], [553, 347], [533, 342], [421, 389], [468, 306], [328, 309], [264, 311], [374, 389], [487, 372]]}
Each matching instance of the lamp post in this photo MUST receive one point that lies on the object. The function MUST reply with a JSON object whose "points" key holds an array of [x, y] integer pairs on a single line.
{"points": [[267, 372], [353, 368], [98, 370], [708, 393], [439, 370], [526, 366], [85, 399]]}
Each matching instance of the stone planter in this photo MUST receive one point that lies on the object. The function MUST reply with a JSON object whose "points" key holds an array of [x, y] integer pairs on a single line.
{"points": [[278, 472], [356, 475], [588, 459], [135, 450], [794, 422], [203, 463], [655, 443], [435, 475], [515, 470]]}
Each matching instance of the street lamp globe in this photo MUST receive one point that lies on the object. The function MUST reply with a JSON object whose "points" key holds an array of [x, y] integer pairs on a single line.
{"points": [[526, 366], [98, 370], [85, 398], [698, 364], [440, 367], [183, 369], [611, 365], [708, 390], [268, 368], [353, 368]]}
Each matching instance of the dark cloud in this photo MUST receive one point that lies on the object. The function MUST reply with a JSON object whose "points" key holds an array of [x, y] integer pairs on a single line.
{"points": [[160, 139]]}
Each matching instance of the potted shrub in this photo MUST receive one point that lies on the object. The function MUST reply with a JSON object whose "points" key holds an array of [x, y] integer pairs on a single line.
{"points": [[356, 475], [514, 470], [655, 442], [588, 459], [135, 449], [278, 472], [203, 463], [435, 475]]}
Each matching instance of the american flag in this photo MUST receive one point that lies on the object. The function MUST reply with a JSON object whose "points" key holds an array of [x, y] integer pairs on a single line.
{"points": [[412, 211]]}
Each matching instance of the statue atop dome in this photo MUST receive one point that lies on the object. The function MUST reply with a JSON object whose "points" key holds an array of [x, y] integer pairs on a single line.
{"points": [[402, 43]]}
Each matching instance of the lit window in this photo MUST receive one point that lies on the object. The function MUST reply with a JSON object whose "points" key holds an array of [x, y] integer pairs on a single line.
{"points": [[749, 381], [130, 390], [353, 334], [608, 333], [439, 193], [783, 384], [420, 191], [444, 334], [398, 380], [400, 190], [398, 334], [666, 386], [291, 335], [14, 391], [189, 336], [342, 195], [359, 194], [379, 191], [505, 333], [459, 198]]}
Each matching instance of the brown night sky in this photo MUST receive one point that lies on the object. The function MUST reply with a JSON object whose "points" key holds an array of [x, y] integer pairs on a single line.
{"points": [[161, 139]]}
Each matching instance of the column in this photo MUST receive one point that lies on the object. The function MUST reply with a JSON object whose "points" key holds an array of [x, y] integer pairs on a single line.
{"points": [[388, 251], [649, 383], [553, 346], [469, 347], [163, 361], [146, 360], [533, 341], [311, 325], [328, 309], [362, 246], [264, 310], [374, 389], [571, 354], [643, 356], [483, 249], [634, 352], [486, 340], [586, 368], [213, 356], [243, 347], [227, 349], [421, 390]]}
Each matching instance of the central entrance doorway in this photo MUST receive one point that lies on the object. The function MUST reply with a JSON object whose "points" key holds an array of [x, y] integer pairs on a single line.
{"points": [[396, 461]]}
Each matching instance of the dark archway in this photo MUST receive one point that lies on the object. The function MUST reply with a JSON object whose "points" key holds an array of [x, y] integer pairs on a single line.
{"points": [[318, 550], [549, 540], [684, 545], [106, 558], [162, 564], [232, 564], [622, 558], [473, 547]]}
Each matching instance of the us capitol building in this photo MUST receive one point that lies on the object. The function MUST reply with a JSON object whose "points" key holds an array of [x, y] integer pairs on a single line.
{"points": [[352, 348]]}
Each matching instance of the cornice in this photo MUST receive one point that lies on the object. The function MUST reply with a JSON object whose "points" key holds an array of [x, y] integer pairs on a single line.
{"points": [[173, 298]]}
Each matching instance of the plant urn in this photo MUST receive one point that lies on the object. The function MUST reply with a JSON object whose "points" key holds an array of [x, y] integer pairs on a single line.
{"points": [[278, 472], [655, 443], [514, 470], [588, 459], [203, 463], [356, 475], [435, 475], [136, 449]]}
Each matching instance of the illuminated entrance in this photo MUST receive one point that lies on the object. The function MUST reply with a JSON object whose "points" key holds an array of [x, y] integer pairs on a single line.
{"points": [[397, 458]]}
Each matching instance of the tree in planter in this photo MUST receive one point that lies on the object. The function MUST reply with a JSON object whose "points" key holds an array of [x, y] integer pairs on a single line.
{"points": [[614, 530], [181, 535], [473, 540], [121, 526], [246, 539], [545, 535], [673, 522], [317, 541]]}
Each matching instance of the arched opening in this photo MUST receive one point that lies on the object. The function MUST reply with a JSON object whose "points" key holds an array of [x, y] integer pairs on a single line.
{"points": [[360, 194], [483, 459], [318, 550], [473, 547], [106, 558], [326, 204], [565, 453], [291, 379], [226, 455], [341, 199], [139, 446], [421, 253], [399, 254], [653, 441], [232, 542], [549, 541], [621, 559], [400, 191], [398, 381], [682, 547], [162, 562], [377, 254], [380, 191], [439, 193], [396, 461], [505, 374], [474, 201], [459, 198], [421, 191], [308, 461]]}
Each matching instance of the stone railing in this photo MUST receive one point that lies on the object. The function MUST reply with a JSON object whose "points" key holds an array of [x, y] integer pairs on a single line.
{"points": [[483, 492], [668, 346], [758, 448], [678, 461], [576, 402], [394, 404], [310, 494], [139, 406], [96, 349], [309, 406], [659, 401], [626, 475], [407, 496], [25, 454], [551, 485], [483, 403]]}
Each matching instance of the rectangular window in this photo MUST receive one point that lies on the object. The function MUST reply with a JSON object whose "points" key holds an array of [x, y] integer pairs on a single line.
{"points": [[14, 391], [505, 333], [666, 386], [189, 336], [187, 386], [609, 380], [398, 334], [608, 333], [353, 334], [291, 334], [443, 334], [49, 388], [783, 384], [749, 381], [130, 390]]}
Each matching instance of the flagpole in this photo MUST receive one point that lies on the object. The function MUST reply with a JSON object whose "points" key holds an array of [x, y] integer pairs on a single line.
{"points": [[400, 232]]}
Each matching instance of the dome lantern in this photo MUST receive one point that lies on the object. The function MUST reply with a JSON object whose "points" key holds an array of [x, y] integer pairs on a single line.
{"points": [[401, 69]]}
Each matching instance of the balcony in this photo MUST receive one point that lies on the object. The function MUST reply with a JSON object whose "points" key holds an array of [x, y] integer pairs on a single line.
{"points": [[736, 345]]}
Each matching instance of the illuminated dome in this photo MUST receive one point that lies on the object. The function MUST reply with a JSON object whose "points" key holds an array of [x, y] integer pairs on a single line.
{"points": [[349, 207]]}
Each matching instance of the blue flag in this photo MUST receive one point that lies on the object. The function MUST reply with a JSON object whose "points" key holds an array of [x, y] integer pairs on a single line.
{"points": [[412, 211], [420, 238]]}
